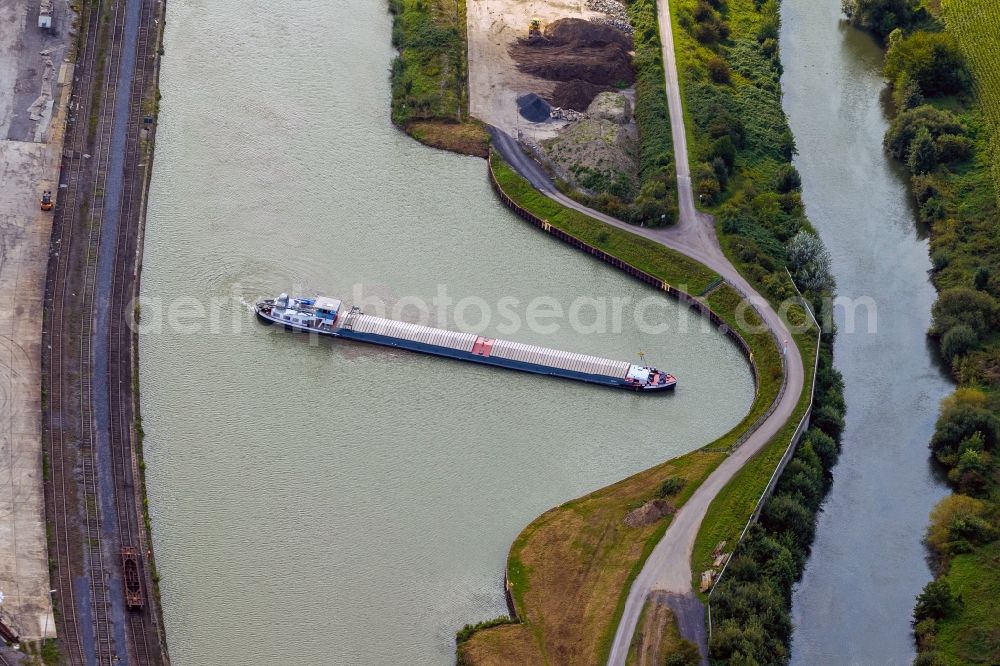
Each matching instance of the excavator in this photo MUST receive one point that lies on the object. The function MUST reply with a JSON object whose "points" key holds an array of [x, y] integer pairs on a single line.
{"points": [[535, 28], [46, 202]]}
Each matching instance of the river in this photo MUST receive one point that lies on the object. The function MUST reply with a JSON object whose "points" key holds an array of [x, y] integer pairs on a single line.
{"points": [[854, 603], [329, 503]]}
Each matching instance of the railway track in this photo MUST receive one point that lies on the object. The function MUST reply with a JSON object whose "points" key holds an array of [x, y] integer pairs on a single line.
{"points": [[90, 437]]}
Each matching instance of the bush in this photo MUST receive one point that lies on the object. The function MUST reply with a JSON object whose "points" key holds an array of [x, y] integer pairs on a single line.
{"points": [[671, 486], [932, 60], [935, 602], [881, 16], [809, 262], [718, 69], [958, 341], [957, 424], [943, 516], [788, 179], [953, 148], [923, 153], [905, 126], [785, 514], [961, 305]]}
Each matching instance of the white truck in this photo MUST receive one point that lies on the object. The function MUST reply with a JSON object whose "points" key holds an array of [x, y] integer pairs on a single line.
{"points": [[45, 15]]}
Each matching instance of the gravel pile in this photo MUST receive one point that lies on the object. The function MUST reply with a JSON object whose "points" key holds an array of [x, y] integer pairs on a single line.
{"points": [[566, 114], [617, 15], [533, 108]]}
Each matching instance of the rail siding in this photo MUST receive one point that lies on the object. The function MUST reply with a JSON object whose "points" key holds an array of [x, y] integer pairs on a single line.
{"points": [[622, 265]]}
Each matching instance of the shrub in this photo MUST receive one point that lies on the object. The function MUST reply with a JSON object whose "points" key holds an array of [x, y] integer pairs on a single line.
{"points": [[953, 148], [788, 179], [809, 262], [981, 280], [935, 602], [881, 16], [932, 60], [944, 514], [671, 486], [961, 305], [829, 420], [718, 70], [958, 341], [905, 126], [958, 423], [923, 153]]}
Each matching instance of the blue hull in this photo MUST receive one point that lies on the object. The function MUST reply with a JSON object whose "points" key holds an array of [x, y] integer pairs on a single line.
{"points": [[445, 352]]}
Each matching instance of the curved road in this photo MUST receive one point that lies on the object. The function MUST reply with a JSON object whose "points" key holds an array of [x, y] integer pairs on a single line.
{"points": [[668, 567]]}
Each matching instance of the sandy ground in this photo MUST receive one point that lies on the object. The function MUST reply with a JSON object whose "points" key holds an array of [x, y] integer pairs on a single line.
{"points": [[30, 147], [494, 82]]}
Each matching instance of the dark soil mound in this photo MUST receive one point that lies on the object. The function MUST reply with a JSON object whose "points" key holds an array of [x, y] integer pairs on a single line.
{"points": [[576, 94], [574, 49], [533, 108], [584, 33]]}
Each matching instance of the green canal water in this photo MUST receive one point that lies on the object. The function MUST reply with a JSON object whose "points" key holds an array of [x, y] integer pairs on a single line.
{"points": [[326, 503]]}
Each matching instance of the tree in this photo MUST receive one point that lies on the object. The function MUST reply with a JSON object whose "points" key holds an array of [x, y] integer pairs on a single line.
{"points": [[923, 154], [982, 278], [829, 420], [961, 305], [825, 447], [788, 179], [958, 423], [953, 148], [725, 149], [810, 262], [784, 513], [932, 60], [881, 16], [936, 601], [905, 126], [718, 69]]}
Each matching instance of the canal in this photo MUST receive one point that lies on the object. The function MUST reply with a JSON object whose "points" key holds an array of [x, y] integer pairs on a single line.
{"points": [[854, 603], [324, 503]]}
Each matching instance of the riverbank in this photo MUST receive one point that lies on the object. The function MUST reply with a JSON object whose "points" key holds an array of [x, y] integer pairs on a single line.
{"points": [[584, 545], [740, 150], [430, 97], [947, 131]]}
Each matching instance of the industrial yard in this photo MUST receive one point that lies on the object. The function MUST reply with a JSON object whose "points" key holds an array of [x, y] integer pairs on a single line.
{"points": [[33, 98]]}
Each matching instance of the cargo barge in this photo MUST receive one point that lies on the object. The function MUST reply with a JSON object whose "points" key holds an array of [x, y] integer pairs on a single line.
{"points": [[324, 316]]}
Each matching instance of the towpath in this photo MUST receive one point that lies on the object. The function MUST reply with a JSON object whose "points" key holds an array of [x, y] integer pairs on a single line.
{"points": [[668, 567]]}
